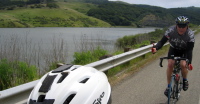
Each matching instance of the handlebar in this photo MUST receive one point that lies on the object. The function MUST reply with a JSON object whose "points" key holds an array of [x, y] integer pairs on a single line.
{"points": [[174, 58]]}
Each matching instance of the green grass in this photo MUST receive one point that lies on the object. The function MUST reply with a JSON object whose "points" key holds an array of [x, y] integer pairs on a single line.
{"points": [[86, 57], [68, 15], [197, 30], [136, 41], [78, 6], [16, 73]]}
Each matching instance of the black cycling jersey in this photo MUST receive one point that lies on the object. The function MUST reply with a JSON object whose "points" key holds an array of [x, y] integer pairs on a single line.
{"points": [[178, 43]]}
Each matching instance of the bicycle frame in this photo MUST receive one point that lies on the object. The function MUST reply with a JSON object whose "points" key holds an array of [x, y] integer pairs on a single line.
{"points": [[176, 82]]}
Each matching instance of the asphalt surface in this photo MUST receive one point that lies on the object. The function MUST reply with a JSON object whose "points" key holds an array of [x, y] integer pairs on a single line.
{"points": [[147, 86]]}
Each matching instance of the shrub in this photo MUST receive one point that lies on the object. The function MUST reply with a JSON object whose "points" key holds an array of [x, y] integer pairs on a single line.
{"points": [[139, 39], [52, 5], [15, 73], [11, 8], [86, 57], [38, 6]]}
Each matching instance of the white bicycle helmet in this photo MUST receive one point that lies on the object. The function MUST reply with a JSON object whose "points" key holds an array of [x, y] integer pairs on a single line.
{"points": [[182, 20], [72, 84]]}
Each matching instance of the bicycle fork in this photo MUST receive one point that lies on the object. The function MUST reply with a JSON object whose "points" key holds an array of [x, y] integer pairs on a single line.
{"points": [[177, 86], [170, 90]]}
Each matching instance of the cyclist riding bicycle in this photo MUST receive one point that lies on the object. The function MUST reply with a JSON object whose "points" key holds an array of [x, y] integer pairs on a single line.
{"points": [[181, 40]]}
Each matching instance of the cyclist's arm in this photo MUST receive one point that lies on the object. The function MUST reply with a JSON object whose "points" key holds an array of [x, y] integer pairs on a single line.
{"points": [[161, 43], [190, 47]]}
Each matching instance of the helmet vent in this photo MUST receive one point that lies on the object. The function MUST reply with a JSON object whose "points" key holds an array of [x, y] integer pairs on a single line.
{"points": [[64, 75], [68, 100], [84, 81]]}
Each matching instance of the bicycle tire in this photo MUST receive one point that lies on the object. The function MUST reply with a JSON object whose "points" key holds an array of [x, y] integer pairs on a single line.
{"points": [[174, 90], [177, 93], [171, 90], [179, 87]]}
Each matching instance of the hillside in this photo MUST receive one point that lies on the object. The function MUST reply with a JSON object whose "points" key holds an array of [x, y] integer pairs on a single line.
{"points": [[89, 13], [142, 15], [67, 15]]}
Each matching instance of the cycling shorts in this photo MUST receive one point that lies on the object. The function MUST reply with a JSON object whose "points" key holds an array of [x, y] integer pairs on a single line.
{"points": [[177, 53]]}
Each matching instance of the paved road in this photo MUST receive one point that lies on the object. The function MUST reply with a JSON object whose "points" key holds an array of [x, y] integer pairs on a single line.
{"points": [[147, 86]]}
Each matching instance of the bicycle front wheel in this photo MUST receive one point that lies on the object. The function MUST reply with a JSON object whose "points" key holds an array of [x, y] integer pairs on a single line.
{"points": [[177, 92], [171, 90], [179, 87]]}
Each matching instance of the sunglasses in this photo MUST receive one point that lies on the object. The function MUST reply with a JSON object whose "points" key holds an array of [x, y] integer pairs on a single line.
{"points": [[181, 26]]}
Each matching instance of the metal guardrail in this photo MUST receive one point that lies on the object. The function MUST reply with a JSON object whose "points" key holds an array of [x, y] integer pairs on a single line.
{"points": [[111, 62], [19, 94]]}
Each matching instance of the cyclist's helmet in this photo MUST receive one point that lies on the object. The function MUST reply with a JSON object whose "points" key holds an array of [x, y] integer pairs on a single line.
{"points": [[72, 84], [182, 20]]}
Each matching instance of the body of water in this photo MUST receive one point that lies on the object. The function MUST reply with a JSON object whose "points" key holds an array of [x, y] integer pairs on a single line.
{"points": [[73, 37]]}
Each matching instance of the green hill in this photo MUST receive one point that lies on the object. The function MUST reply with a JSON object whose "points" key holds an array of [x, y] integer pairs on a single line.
{"points": [[71, 14], [123, 14], [89, 13]]}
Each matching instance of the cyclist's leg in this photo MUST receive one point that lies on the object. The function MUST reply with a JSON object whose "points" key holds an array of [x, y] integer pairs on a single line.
{"points": [[169, 73], [170, 64], [170, 70], [184, 74], [184, 69]]}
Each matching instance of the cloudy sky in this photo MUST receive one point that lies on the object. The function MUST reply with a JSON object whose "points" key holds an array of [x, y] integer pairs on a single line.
{"points": [[165, 3]]}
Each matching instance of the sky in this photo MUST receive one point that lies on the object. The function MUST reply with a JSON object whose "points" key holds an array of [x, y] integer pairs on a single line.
{"points": [[165, 3]]}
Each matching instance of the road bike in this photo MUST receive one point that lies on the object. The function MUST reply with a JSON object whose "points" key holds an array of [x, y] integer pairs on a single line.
{"points": [[176, 83]]}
